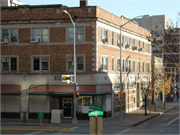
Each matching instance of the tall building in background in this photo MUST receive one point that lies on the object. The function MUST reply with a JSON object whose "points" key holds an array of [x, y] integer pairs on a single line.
{"points": [[152, 22], [11, 3]]}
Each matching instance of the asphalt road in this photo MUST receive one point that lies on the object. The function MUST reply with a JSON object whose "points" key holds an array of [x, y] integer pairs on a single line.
{"points": [[167, 123]]}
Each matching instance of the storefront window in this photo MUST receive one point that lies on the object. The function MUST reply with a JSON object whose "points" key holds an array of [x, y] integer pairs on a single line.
{"points": [[86, 101]]}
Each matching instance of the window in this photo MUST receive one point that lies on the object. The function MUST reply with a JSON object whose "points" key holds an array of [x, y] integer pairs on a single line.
{"points": [[41, 34], [9, 63], [138, 45], [118, 64], [127, 63], [129, 66], [138, 66], [104, 63], [143, 47], [79, 63], [142, 66], [122, 65], [112, 63], [118, 40], [147, 48], [133, 42], [104, 34], [40, 63], [112, 38], [147, 66], [133, 65], [86, 101], [10, 34], [127, 39], [79, 34]]}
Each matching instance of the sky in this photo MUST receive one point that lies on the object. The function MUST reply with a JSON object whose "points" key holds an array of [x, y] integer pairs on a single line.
{"points": [[127, 8]]}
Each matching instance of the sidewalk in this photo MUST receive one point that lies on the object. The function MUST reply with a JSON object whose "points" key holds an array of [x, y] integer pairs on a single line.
{"points": [[129, 119]]}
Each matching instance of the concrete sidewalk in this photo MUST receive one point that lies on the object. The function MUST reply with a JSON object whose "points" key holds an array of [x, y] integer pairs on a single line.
{"points": [[129, 119]]}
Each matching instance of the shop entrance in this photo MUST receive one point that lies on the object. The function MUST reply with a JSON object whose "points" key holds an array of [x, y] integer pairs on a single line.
{"points": [[67, 107]]}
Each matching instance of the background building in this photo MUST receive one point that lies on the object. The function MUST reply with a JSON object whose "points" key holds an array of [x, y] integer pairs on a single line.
{"points": [[11, 3]]}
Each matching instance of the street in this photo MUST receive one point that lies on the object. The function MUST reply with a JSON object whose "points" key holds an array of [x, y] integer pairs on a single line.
{"points": [[166, 123]]}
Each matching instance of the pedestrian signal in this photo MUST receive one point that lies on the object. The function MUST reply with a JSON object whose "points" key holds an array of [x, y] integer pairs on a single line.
{"points": [[77, 94], [66, 78]]}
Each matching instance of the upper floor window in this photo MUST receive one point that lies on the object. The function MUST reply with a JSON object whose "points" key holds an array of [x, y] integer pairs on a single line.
{"points": [[143, 47], [40, 63], [79, 63], [104, 34], [10, 35], [138, 45], [118, 39], [139, 66], [112, 38], [41, 33], [133, 66], [133, 42], [9, 63], [147, 48], [112, 63], [104, 63], [122, 65], [147, 67], [79, 34], [118, 64], [142, 66]]}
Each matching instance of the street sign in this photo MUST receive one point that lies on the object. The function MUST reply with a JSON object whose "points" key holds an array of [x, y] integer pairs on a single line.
{"points": [[95, 113], [95, 107], [40, 115], [77, 86]]}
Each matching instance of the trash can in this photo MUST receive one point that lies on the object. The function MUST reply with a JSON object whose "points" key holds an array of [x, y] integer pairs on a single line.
{"points": [[55, 116]]}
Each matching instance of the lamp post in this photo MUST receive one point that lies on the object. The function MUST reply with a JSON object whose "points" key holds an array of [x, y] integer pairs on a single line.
{"points": [[74, 120], [121, 60]]}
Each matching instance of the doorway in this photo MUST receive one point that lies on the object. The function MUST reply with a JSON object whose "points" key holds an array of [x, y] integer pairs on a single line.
{"points": [[67, 107]]}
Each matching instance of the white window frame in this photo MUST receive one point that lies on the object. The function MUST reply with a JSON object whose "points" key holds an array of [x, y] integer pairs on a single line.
{"points": [[9, 63], [104, 62], [83, 56], [40, 63], [40, 39], [9, 34]]}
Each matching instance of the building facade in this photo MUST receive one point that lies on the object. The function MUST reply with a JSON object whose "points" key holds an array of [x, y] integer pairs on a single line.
{"points": [[37, 50]]}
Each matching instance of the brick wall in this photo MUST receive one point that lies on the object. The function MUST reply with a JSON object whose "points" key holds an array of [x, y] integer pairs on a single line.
{"points": [[24, 35], [58, 34]]}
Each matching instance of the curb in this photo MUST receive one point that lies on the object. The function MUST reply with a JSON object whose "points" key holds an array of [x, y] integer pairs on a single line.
{"points": [[46, 130], [152, 117]]}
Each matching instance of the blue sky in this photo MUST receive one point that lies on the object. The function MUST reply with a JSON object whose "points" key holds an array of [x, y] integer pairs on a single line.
{"points": [[128, 8]]}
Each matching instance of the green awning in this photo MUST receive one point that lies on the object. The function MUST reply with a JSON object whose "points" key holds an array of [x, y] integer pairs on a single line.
{"points": [[10, 93], [46, 93]]}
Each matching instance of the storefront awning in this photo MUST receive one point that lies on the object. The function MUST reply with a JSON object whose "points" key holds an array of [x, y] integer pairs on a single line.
{"points": [[47, 93]]}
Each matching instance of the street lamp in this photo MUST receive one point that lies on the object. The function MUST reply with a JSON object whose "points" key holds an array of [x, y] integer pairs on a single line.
{"points": [[121, 59], [74, 120]]}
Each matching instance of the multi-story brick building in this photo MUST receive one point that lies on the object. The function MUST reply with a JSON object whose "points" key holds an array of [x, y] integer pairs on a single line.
{"points": [[38, 50]]}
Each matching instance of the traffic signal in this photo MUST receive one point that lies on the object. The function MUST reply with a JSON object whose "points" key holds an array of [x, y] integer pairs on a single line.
{"points": [[66, 78], [77, 94]]}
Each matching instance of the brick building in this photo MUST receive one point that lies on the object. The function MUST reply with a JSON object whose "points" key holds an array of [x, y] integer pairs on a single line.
{"points": [[37, 50]]}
